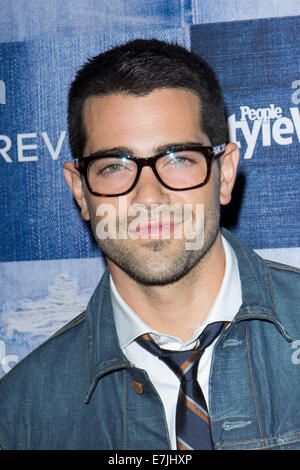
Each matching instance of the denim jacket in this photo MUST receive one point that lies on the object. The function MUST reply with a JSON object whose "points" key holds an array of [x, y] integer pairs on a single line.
{"points": [[78, 390]]}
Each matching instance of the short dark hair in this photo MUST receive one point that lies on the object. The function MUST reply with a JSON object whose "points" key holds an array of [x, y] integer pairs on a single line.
{"points": [[139, 67]]}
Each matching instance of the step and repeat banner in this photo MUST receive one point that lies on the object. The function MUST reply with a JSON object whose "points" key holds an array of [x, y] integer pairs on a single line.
{"points": [[49, 262], [258, 65]]}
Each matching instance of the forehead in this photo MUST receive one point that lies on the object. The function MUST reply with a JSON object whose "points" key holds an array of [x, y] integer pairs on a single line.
{"points": [[158, 117]]}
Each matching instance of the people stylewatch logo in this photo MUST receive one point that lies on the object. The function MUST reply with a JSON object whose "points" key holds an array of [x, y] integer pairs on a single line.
{"points": [[270, 124]]}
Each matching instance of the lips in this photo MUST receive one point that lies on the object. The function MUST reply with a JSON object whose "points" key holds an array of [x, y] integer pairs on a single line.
{"points": [[156, 229]]}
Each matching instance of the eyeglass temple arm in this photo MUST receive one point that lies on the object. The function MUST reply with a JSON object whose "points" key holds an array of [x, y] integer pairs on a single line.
{"points": [[217, 149], [76, 163]]}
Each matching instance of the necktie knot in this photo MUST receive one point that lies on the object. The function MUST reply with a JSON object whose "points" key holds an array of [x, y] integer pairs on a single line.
{"points": [[182, 359]]}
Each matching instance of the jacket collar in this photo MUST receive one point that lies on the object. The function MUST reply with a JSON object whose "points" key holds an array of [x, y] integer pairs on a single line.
{"points": [[105, 354], [256, 283]]}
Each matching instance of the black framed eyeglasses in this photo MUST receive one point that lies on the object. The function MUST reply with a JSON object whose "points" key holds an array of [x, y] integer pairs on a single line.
{"points": [[179, 168]]}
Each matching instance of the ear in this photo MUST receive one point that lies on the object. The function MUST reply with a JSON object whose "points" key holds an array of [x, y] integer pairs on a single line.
{"points": [[228, 168], [74, 181]]}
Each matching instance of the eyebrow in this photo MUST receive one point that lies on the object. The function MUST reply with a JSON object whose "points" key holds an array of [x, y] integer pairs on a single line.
{"points": [[161, 149]]}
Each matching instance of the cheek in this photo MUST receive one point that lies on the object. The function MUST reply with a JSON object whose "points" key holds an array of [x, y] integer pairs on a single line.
{"points": [[213, 186], [210, 197], [203, 196], [100, 207]]}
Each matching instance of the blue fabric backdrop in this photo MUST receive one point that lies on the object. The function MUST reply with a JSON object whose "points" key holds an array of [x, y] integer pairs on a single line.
{"points": [[258, 65], [49, 262]]}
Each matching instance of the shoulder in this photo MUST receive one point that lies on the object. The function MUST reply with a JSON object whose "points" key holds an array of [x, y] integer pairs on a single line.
{"points": [[285, 291], [67, 343], [38, 389], [283, 272], [284, 279]]}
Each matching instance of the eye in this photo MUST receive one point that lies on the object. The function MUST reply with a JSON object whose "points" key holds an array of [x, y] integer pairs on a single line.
{"points": [[179, 159], [110, 167]]}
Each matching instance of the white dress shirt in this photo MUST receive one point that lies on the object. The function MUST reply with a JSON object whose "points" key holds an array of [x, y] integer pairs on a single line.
{"points": [[129, 326]]}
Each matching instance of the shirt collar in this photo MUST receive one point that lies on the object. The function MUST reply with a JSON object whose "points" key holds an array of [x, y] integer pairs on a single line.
{"points": [[129, 325]]}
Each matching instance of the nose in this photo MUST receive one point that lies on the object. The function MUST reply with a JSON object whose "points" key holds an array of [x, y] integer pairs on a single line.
{"points": [[149, 190]]}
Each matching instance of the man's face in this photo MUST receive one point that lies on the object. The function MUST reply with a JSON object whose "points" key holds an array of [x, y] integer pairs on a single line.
{"points": [[142, 124]]}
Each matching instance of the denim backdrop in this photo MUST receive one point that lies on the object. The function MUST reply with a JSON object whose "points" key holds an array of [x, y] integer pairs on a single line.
{"points": [[49, 263], [258, 65]]}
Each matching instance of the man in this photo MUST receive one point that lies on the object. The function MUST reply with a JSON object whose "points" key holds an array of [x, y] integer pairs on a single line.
{"points": [[153, 165]]}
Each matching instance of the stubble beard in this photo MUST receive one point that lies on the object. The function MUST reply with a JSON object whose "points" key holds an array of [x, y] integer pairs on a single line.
{"points": [[157, 262]]}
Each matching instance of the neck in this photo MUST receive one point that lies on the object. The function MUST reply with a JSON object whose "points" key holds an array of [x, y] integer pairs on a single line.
{"points": [[177, 308]]}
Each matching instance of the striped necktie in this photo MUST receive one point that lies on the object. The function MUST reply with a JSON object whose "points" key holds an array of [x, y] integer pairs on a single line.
{"points": [[192, 420]]}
